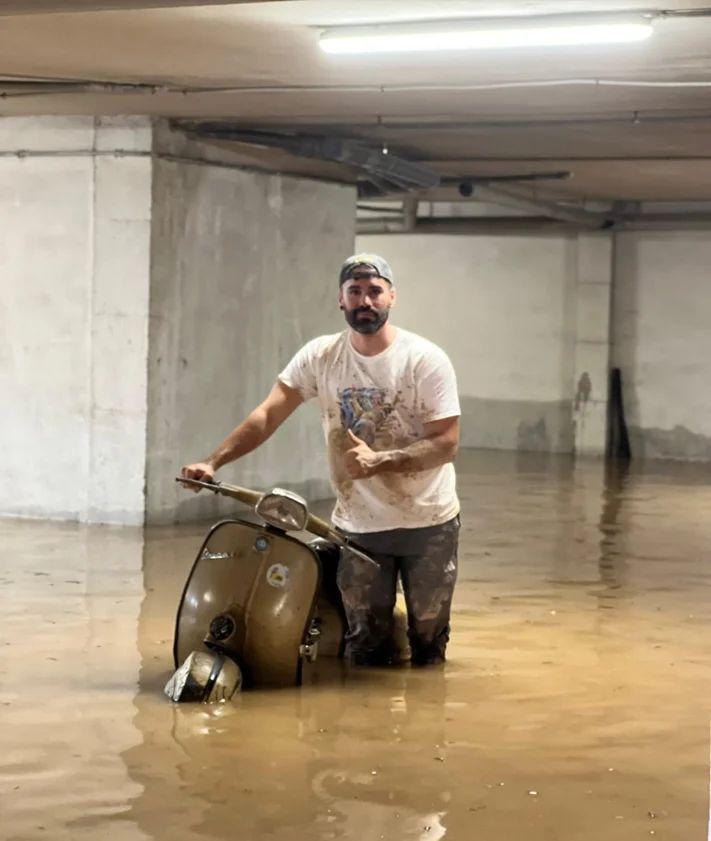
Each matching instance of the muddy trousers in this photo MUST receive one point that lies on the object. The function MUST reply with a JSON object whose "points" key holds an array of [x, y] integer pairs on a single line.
{"points": [[426, 561]]}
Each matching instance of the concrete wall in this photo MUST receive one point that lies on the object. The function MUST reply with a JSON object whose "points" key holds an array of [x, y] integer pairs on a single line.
{"points": [[662, 341], [244, 273], [507, 310], [73, 317]]}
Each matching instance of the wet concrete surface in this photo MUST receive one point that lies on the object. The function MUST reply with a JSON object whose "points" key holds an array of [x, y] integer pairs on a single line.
{"points": [[575, 705]]}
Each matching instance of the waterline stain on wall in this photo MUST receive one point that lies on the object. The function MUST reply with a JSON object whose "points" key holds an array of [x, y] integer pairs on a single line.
{"points": [[676, 443]]}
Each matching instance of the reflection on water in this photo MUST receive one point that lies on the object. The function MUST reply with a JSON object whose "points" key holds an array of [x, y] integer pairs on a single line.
{"points": [[574, 705]]}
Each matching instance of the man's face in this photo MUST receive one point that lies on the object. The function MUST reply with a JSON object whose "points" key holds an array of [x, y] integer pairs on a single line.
{"points": [[366, 300]]}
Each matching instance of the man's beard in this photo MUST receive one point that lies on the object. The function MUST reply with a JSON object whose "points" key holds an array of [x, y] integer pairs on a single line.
{"points": [[367, 326]]}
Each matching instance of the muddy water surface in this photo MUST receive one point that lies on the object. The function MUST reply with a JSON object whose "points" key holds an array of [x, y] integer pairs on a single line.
{"points": [[575, 705]]}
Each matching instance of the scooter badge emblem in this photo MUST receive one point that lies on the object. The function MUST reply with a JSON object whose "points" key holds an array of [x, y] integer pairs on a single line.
{"points": [[277, 575], [216, 556]]}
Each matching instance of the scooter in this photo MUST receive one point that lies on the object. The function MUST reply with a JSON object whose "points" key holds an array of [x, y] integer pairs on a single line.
{"points": [[258, 602]]}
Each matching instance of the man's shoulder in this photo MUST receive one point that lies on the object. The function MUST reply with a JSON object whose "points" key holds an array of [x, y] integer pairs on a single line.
{"points": [[322, 346], [421, 348]]}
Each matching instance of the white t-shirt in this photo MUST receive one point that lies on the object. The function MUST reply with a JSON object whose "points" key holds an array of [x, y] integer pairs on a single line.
{"points": [[385, 399]]}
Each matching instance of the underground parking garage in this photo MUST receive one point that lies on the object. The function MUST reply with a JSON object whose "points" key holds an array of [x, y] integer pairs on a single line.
{"points": [[180, 185]]}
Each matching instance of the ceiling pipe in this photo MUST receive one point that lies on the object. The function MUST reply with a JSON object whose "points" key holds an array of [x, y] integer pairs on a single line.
{"points": [[663, 222], [386, 173], [38, 7], [393, 221], [466, 185], [13, 89], [420, 123], [374, 208], [490, 225], [502, 225], [22, 7], [92, 86], [508, 197]]}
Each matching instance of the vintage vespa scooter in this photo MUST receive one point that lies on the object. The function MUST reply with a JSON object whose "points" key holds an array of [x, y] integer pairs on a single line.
{"points": [[258, 601]]}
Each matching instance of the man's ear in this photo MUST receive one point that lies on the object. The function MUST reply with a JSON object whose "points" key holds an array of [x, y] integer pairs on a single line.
{"points": [[393, 296], [340, 299]]}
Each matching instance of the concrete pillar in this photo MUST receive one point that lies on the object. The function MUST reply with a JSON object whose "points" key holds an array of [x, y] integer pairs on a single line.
{"points": [[101, 216], [662, 341], [75, 213], [244, 273], [592, 343], [119, 322]]}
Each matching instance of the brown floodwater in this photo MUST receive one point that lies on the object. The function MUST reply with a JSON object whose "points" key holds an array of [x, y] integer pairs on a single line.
{"points": [[574, 707]]}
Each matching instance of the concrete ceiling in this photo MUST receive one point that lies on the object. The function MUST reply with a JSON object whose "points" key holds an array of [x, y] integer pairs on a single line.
{"points": [[641, 132]]}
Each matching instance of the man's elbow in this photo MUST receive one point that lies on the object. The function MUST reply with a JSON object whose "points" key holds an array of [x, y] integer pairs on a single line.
{"points": [[450, 448]]}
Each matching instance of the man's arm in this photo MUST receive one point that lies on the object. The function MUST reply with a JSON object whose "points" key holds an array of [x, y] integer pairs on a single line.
{"points": [[255, 429], [438, 446]]}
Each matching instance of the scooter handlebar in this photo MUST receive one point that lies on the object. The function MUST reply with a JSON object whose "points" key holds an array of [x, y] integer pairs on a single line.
{"points": [[314, 524], [245, 495]]}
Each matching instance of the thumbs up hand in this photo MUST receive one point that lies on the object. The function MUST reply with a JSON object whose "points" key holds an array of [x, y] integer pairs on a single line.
{"points": [[360, 460], [354, 439]]}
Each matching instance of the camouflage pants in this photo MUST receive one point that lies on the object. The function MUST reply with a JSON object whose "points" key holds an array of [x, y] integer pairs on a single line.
{"points": [[426, 560]]}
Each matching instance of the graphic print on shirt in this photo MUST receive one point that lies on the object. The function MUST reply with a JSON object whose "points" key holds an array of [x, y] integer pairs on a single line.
{"points": [[364, 411]]}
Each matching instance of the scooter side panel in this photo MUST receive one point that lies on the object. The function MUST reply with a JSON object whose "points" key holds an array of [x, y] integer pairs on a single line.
{"points": [[279, 611], [267, 582], [219, 582]]}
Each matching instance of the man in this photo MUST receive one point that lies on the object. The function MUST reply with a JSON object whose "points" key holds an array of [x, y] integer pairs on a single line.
{"points": [[390, 414]]}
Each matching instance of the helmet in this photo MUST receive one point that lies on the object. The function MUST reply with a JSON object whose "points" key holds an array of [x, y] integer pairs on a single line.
{"points": [[205, 676]]}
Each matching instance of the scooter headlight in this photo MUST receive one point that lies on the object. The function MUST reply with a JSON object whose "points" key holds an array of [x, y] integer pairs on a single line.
{"points": [[283, 509]]}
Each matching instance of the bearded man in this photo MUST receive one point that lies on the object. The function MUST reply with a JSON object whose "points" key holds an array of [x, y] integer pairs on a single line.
{"points": [[390, 414]]}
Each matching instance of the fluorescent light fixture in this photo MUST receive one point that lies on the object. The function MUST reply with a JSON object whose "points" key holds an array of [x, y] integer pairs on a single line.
{"points": [[487, 34]]}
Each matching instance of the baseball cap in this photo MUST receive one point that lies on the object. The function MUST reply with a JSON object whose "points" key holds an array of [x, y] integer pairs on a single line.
{"points": [[367, 261]]}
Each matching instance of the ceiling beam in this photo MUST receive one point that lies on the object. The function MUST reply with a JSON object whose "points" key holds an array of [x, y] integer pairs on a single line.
{"points": [[23, 7]]}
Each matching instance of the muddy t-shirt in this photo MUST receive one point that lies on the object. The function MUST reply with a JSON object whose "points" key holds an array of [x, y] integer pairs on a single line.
{"points": [[385, 400]]}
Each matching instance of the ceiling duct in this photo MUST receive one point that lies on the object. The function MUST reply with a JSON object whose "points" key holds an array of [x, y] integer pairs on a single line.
{"points": [[381, 172]]}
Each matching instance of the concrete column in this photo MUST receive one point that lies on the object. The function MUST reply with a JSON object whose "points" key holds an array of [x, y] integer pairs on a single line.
{"points": [[244, 273], [117, 399], [592, 343], [75, 213], [662, 341]]}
